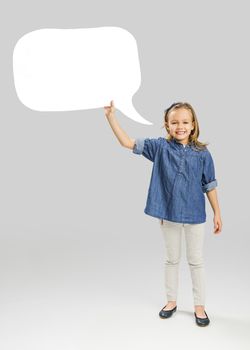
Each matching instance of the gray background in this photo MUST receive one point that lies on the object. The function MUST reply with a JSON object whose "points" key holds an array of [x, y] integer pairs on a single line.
{"points": [[81, 264]]}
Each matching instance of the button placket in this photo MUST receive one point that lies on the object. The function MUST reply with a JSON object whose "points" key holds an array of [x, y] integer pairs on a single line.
{"points": [[182, 160]]}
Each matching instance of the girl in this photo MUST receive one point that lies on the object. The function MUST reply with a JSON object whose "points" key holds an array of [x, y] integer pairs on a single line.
{"points": [[183, 171]]}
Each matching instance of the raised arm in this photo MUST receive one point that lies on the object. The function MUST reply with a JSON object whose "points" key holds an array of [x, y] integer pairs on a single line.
{"points": [[122, 137]]}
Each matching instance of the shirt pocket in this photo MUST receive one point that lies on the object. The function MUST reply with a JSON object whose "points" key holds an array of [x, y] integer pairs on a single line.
{"points": [[196, 165]]}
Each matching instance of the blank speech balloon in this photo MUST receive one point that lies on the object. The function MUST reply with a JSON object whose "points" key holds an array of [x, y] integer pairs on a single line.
{"points": [[75, 69]]}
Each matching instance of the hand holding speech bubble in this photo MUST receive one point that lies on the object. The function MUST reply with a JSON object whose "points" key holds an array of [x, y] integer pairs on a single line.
{"points": [[74, 69]]}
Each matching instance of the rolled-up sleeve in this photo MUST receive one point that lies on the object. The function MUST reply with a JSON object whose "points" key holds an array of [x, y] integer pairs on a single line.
{"points": [[147, 147], [209, 181]]}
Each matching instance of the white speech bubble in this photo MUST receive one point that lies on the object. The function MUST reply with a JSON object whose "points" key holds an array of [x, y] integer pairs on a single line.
{"points": [[74, 69]]}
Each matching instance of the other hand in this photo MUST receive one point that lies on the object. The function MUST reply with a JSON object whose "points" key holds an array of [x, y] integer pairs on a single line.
{"points": [[217, 224]]}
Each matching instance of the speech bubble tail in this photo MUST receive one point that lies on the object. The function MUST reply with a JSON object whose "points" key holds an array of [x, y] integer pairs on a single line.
{"points": [[129, 110]]}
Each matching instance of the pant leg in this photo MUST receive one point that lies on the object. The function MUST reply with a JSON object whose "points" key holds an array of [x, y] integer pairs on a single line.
{"points": [[194, 236], [172, 233]]}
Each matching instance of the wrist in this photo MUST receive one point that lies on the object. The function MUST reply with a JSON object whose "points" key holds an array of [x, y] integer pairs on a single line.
{"points": [[111, 116]]}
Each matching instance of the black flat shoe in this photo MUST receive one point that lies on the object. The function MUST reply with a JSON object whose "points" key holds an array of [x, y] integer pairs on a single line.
{"points": [[202, 321], [167, 313]]}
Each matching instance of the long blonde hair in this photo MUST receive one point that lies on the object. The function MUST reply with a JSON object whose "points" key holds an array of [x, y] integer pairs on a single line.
{"points": [[193, 137]]}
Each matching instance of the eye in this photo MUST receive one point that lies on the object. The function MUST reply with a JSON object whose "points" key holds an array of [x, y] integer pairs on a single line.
{"points": [[175, 123]]}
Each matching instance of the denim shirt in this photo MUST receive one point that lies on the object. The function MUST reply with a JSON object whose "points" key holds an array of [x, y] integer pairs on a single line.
{"points": [[179, 180]]}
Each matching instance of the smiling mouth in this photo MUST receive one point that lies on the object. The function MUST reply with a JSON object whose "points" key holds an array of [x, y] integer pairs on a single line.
{"points": [[180, 132]]}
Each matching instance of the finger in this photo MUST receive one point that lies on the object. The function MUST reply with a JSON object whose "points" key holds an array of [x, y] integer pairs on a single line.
{"points": [[218, 229]]}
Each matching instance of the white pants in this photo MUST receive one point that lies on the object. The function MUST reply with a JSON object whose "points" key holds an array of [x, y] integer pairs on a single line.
{"points": [[194, 238]]}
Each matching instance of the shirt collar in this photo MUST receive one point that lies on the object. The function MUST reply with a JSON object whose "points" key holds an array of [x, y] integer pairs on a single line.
{"points": [[179, 143]]}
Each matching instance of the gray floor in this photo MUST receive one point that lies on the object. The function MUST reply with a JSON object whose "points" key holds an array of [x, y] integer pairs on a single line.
{"points": [[62, 291]]}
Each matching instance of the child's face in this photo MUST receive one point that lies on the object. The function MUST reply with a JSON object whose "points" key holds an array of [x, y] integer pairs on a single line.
{"points": [[180, 124]]}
